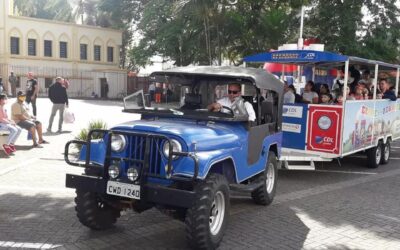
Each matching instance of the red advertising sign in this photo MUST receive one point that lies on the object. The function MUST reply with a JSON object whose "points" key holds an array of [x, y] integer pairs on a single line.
{"points": [[324, 129]]}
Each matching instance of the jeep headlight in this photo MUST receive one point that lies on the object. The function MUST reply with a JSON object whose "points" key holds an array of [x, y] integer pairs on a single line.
{"points": [[113, 171], [132, 174], [176, 147], [118, 143]]}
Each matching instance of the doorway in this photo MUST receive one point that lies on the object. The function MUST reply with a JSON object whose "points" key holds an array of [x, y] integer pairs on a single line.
{"points": [[103, 88]]}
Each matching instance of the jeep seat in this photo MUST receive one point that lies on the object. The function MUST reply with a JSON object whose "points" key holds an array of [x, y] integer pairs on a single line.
{"points": [[192, 101], [268, 112]]}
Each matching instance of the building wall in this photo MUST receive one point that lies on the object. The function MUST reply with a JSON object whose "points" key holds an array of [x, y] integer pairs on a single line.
{"points": [[85, 73]]}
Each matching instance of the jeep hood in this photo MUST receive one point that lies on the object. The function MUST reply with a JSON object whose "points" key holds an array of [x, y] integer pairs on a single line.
{"points": [[208, 136]]}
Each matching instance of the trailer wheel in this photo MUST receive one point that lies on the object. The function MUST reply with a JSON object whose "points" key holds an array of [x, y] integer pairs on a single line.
{"points": [[207, 219], [374, 156], [264, 195], [93, 212], [386, 152]]}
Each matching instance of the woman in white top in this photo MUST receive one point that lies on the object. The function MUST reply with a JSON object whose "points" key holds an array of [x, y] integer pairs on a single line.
{"points": [[309, 95]]}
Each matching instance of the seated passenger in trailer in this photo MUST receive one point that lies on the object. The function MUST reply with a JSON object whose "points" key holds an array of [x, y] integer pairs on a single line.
{"points": [[323, 90], [309, 95], [288, 97], [297, 97], [367, 82], [326, 98], [386, 93], [360, 93]]}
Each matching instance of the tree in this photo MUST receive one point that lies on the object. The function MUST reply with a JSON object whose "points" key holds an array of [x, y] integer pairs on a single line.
{"points": [[205, 31], [47, 9], [122, 15], [344, 28]]}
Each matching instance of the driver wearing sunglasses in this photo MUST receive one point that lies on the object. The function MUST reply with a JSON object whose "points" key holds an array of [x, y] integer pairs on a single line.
{"points": [[234, 92]]}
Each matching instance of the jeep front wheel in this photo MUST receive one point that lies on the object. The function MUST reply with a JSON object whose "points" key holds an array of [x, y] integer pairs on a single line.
{"points": [[206, 220], [94, 212], [264, 195]]}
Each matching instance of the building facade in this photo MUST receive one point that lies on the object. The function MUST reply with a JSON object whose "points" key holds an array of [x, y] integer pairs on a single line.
{"points": [[88, 56]]}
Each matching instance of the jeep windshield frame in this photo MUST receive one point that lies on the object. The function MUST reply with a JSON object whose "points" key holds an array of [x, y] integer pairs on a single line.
{"points": [[204, 81]]}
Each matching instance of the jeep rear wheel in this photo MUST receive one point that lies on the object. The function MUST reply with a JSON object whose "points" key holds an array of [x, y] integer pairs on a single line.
{"points": [[206, 220], [94, 212], [264, 195]]}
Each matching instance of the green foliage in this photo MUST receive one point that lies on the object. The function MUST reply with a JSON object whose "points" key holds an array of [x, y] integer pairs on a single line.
{"points": [[47, 9], [96, 124], [344, 27], [208, 31]]}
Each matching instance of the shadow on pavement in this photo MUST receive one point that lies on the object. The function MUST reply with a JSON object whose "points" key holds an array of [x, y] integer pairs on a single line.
{"points": [[56, 133], [24, 148], [39, 218], [102, 102]]}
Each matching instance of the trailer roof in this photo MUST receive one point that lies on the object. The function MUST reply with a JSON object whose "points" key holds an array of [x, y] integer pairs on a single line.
{"points": [[312, 57]]}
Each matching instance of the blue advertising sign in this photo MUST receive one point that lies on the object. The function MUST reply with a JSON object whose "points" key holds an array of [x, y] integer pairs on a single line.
{"points": [[296, 56], [294, 126]]}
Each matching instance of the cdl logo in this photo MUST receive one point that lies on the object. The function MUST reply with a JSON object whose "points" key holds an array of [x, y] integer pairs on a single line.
{"points": [[310, 56], [290, 111], [323, 140]]}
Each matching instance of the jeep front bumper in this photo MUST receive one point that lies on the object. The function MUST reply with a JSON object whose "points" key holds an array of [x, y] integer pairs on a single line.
{"points": [[150, 193]]}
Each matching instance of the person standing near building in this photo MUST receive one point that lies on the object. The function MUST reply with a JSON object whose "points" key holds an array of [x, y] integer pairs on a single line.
{"points": [[106, 89], [1, 86], [58, 96], [32, 91], [152, 90], [13, 82]]}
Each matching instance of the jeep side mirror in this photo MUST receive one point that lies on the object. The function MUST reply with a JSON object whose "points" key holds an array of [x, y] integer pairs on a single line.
{"points": [[75, 153]]}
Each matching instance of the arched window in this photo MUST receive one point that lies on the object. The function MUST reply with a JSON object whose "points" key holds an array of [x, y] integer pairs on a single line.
{"points": [[33, 39], [15, 41], [48, 44], [64, 42]]}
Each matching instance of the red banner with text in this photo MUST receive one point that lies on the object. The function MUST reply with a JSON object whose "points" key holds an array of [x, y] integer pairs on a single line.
{"points": [[324, 129]]}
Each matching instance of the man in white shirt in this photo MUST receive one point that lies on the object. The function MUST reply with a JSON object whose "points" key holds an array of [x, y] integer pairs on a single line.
{"points": [[234, 94]]}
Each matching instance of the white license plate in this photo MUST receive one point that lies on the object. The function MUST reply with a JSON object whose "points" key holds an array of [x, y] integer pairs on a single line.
{"points": [[123, 189]]}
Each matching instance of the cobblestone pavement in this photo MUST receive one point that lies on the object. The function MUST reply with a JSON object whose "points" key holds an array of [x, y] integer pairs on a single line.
{"points": [[348, 207]]}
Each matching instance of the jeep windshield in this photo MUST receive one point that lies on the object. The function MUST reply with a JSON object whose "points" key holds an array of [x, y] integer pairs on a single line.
{"points": [[190, 96]]}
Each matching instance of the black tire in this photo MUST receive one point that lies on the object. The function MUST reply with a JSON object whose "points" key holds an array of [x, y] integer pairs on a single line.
{"points": [[374, 156], [93, 212], [265, 194], [204, 231], [386, 152]]}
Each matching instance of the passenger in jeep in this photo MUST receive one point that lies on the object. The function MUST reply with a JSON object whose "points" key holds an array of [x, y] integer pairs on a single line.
{"points": [[233, 98]]}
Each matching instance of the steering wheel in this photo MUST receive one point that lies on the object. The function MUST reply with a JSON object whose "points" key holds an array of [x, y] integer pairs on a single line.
{"points": [[227, 108]]}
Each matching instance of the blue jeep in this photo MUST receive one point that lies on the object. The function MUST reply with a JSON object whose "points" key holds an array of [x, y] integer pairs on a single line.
{"points": [[180, 157]]}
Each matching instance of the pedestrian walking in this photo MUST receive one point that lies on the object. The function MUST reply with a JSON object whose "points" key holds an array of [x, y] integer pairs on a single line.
{"points": [[32, 91], [1, 87], [13, 80], [58, 96]]}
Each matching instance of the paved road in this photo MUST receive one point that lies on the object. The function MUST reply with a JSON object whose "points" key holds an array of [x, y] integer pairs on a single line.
{"points": [[348, 207]]}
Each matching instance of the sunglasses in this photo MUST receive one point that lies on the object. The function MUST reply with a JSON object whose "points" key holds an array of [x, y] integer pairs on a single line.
{"points": [[233, 92]]}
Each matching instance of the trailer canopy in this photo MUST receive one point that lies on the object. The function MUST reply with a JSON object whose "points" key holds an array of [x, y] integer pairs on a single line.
{"points": [[305, 57]]}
